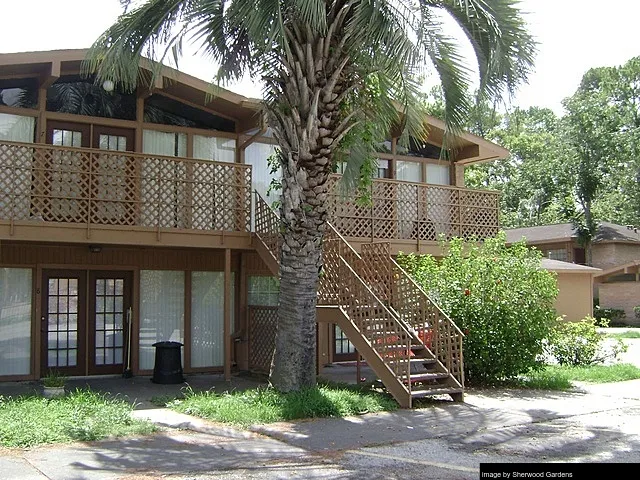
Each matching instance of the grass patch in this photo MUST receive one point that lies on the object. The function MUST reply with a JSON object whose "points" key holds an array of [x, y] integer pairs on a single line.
{"points": [[82, 415], [559, 377], [618, 372], [266, 405], [628, 334]]}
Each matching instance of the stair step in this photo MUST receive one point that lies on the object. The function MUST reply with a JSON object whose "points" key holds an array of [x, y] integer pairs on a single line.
{"points": [[435, 391], [424, 377]]}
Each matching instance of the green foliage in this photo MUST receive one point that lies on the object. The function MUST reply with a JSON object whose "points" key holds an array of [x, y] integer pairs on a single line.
{"points": [[608, 317], [54, 378], [266, 405], [546, 378], [628, 334], [498, 295], [580, 344], [82, 415], [636, 311], [617, 372]]}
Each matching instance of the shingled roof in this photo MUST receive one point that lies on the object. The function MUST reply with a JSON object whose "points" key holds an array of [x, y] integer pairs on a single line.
{"points": [[607, 232]]}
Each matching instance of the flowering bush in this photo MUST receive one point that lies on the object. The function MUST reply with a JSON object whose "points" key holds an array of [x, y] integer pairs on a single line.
{"points": [[498, 295], [580, 344]]}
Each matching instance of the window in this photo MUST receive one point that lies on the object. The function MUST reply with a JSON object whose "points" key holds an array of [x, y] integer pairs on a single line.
{"points": [[263, 291], [384, 169], [167, 111], [112, 142], [16, 128], [164, 143], [15, 321], [207, 318], [21, 92], [409, 171], [438, 174], [212, 148], [81, 96], [161, 311], [66, 138], [557, 254]]}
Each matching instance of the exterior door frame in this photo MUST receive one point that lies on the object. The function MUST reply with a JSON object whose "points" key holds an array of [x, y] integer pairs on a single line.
{"points": [[127, 313], [81, 275]]}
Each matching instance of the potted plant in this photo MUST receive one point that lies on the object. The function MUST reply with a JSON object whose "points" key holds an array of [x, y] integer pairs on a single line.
{"points": [[53, 383]]}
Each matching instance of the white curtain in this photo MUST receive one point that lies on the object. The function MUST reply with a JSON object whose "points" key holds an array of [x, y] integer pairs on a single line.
{"points": [[161, 311], [409, 171], [164, 143], [256, 155], [213, 148], [437, 174], [16, 128], [16, 165], [207, 318], [15, 321]]}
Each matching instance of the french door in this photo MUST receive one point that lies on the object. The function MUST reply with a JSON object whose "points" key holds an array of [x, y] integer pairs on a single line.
{"points": [[73, 176], [85, 321]]}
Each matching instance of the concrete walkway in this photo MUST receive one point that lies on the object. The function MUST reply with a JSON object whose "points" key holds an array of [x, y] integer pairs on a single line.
{"points": [[443, 440]]}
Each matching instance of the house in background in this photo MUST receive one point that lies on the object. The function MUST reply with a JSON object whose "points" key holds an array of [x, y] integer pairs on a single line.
{"points": [[615, 251], [128, 219]]}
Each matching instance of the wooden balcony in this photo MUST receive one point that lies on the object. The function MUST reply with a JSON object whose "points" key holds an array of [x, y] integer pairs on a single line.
{"points": [[89, 195], [414, 216]]}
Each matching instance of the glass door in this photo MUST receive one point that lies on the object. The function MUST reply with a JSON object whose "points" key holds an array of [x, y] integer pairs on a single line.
{"points": [[63, 321], [109, 321], [114, 177]]}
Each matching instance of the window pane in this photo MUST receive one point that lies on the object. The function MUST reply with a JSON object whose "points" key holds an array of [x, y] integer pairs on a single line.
{"points": [[409, 171], [15, 321], [437, 174], [16, 128], [263, 291], [212, 148], [164, 143], [161, 311], [207, 318]]}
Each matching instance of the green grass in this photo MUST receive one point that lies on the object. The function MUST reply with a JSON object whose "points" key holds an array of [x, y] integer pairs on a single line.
{"points": [[557, 377], [81, 415], [628, 334], [265, 405]]}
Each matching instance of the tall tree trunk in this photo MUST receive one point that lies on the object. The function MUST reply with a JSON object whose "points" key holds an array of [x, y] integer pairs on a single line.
{"points": [[588, 220], [305, 215]]}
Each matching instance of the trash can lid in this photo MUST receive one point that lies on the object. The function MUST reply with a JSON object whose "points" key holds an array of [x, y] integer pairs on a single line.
{"points": [[167, 344]]}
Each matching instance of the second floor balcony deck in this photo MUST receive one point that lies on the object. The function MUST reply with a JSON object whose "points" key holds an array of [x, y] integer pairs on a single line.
{"points": [[51, 193]]}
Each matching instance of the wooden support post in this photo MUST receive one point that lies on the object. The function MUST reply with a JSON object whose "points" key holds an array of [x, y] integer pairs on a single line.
{"points": [[227, 314]]}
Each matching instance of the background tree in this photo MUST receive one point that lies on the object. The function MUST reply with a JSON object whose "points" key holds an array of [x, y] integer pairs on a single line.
{"points": [[335, 73]]}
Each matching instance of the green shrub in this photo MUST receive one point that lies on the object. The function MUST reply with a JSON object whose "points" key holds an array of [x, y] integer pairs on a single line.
{"points": [[499, 296], [636, 311], [580, 344], [608, 317]]}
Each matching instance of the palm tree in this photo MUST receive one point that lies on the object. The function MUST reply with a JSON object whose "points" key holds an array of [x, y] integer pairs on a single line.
{"points": [[339, 75]]}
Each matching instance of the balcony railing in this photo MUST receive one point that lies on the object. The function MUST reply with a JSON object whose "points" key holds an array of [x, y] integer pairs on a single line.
{"points": [[98, 187], [414, 211]]}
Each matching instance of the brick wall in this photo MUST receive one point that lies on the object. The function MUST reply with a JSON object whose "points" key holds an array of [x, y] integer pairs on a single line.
{"points": [[623, 295], [608, 255]]}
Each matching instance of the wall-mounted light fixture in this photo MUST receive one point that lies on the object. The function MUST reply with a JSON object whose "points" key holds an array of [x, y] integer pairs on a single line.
{"points": [[95, 248], [108, 85]]}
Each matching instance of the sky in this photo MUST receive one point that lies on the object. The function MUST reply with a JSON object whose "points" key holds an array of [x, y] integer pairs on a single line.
{"points": [[572, 36]]}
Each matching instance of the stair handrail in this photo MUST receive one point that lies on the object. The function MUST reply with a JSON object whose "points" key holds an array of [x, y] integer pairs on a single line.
{"points": [[267, 229], [418, 310]]}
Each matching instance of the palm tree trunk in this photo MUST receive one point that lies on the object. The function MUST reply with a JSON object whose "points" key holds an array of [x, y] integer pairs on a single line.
{"points": [[304, 215]]}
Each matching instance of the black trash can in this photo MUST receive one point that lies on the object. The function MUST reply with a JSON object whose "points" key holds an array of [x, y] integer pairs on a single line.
{"points": [[168, 366]]}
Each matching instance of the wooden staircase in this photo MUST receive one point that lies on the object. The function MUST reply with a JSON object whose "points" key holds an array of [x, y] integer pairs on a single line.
{"points": [[411, 345]]}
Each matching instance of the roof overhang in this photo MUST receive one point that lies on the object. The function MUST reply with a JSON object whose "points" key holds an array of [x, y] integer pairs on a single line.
{"points": [[631, 267], [50, 65]]}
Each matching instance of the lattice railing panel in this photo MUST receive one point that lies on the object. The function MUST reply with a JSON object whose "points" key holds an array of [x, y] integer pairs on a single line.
{"points": [[436, 330], [262, 337], [267, 226], [414, 211], [74, 185], [376, 323]]}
